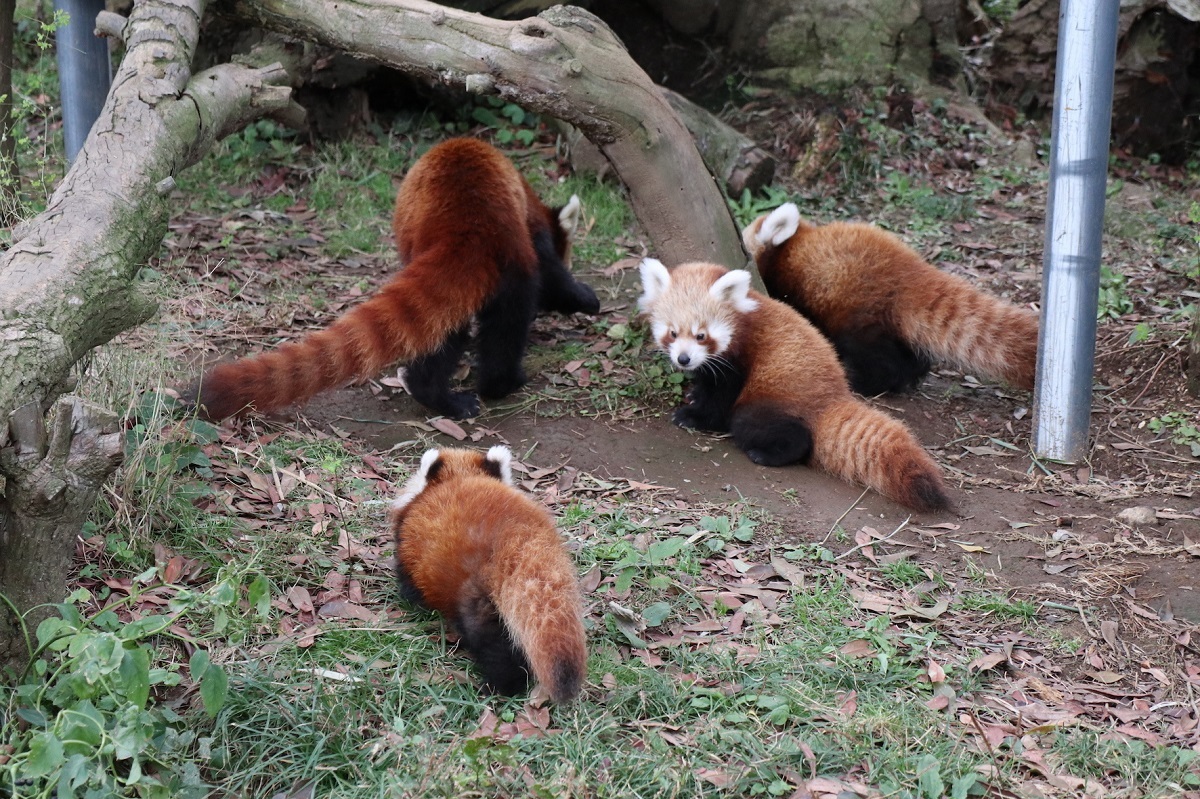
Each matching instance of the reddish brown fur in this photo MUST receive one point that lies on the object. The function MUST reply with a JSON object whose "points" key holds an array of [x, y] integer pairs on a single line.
{"points": [[844, 274], [469, 533], [791, 366], [458, 218]]}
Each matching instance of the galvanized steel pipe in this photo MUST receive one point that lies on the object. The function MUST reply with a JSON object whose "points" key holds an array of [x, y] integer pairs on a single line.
{"points": [[84, 71], [1083, 93]]}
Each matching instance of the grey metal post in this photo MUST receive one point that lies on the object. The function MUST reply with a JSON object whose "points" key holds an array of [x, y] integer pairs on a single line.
{"points": [[84, 71], [1083, 92]]}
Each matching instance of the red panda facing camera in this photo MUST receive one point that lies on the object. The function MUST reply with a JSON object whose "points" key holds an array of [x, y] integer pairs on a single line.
{"points": [[761, 372], [489, 559]]}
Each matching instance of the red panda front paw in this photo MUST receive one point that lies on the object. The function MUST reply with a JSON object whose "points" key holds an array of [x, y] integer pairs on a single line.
{"points": [[459, 405]]}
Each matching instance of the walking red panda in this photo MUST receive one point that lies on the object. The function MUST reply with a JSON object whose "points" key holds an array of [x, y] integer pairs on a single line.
{"points": [[761, 372], [889, 313], [476, 243], [489, 559]]}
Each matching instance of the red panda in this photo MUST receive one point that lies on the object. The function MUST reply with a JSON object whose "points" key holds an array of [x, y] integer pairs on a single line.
{"points": [[488, 558], [761, 372], [477, 243], [889, 314]]}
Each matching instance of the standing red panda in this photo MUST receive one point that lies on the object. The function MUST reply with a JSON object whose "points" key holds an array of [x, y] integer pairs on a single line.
{"points": [[472, 547], [477, 243], [888, 313], [763, 373]]}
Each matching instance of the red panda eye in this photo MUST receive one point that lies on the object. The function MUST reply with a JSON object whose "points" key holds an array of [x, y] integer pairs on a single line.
{"points": [[672, 335], [701, 336]]}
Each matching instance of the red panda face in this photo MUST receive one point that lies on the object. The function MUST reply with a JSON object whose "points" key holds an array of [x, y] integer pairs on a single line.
{"points": [[694, 310]]}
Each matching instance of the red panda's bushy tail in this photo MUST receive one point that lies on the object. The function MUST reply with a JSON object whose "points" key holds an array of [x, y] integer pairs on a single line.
{"points": [[409, 317], [540, 603], [975, 331], [858, 443]]}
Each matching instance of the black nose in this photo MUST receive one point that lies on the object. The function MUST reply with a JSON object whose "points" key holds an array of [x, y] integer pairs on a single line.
{"points": [[684, 359]]}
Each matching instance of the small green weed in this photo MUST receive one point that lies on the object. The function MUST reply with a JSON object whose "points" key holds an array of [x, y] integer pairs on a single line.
{"points": [[749, 207], [717, 532], [508, 122], [904, 573], [1181, 426], [1113, 301], [999, 607], [927, 204]]}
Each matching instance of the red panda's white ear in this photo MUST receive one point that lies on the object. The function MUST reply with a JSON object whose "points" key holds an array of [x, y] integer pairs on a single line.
{"points": [[569, 216], [502, 457], [427, 460], [416, 484], [655, 281], [780, 225], [733, 287]]}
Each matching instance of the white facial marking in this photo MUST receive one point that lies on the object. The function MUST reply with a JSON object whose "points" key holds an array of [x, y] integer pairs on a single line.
{"points": [[502, 455], [655, 280], [416, 483], [721, 333], [687, 348]]}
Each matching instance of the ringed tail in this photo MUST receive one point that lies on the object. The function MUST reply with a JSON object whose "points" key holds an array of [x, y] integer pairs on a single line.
{"points": [[858, 443], [409, 317], [543, 614], [976, 332]]}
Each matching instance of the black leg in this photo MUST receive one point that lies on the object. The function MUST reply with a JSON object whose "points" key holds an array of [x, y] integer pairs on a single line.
{"points": [[770, 437], [504, 667], [710, 398], [503, 333], [878, 362], [428, 379], [560, 291]]}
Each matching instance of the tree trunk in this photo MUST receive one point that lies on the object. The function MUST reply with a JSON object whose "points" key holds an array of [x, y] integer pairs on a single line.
{"points": [[68, 282], [734, 159], [51, 483], [565, 63], [10, 174]]}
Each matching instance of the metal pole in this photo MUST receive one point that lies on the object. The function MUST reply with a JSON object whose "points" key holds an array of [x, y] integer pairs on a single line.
{"points": [[84, 71], [1083, 92]]}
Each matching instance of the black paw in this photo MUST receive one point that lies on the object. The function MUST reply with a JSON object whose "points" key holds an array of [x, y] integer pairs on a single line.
{"points": [[458, 405], [497, 386], [686, 418], [760, 457], [586, 299]]}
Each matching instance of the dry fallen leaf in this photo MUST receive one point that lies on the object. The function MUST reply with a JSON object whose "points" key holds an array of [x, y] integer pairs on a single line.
{"points": [[449, 427]]}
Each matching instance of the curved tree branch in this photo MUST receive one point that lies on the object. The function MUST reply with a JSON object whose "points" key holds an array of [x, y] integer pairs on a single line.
{"points": [[565, 63]]}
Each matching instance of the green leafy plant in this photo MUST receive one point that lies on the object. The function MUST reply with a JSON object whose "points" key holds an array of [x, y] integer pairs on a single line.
{"points": [[508, 122], [900, 190], [749, 206], [1182, 428], [1113, 301], [719, 531], [90, 728]]}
